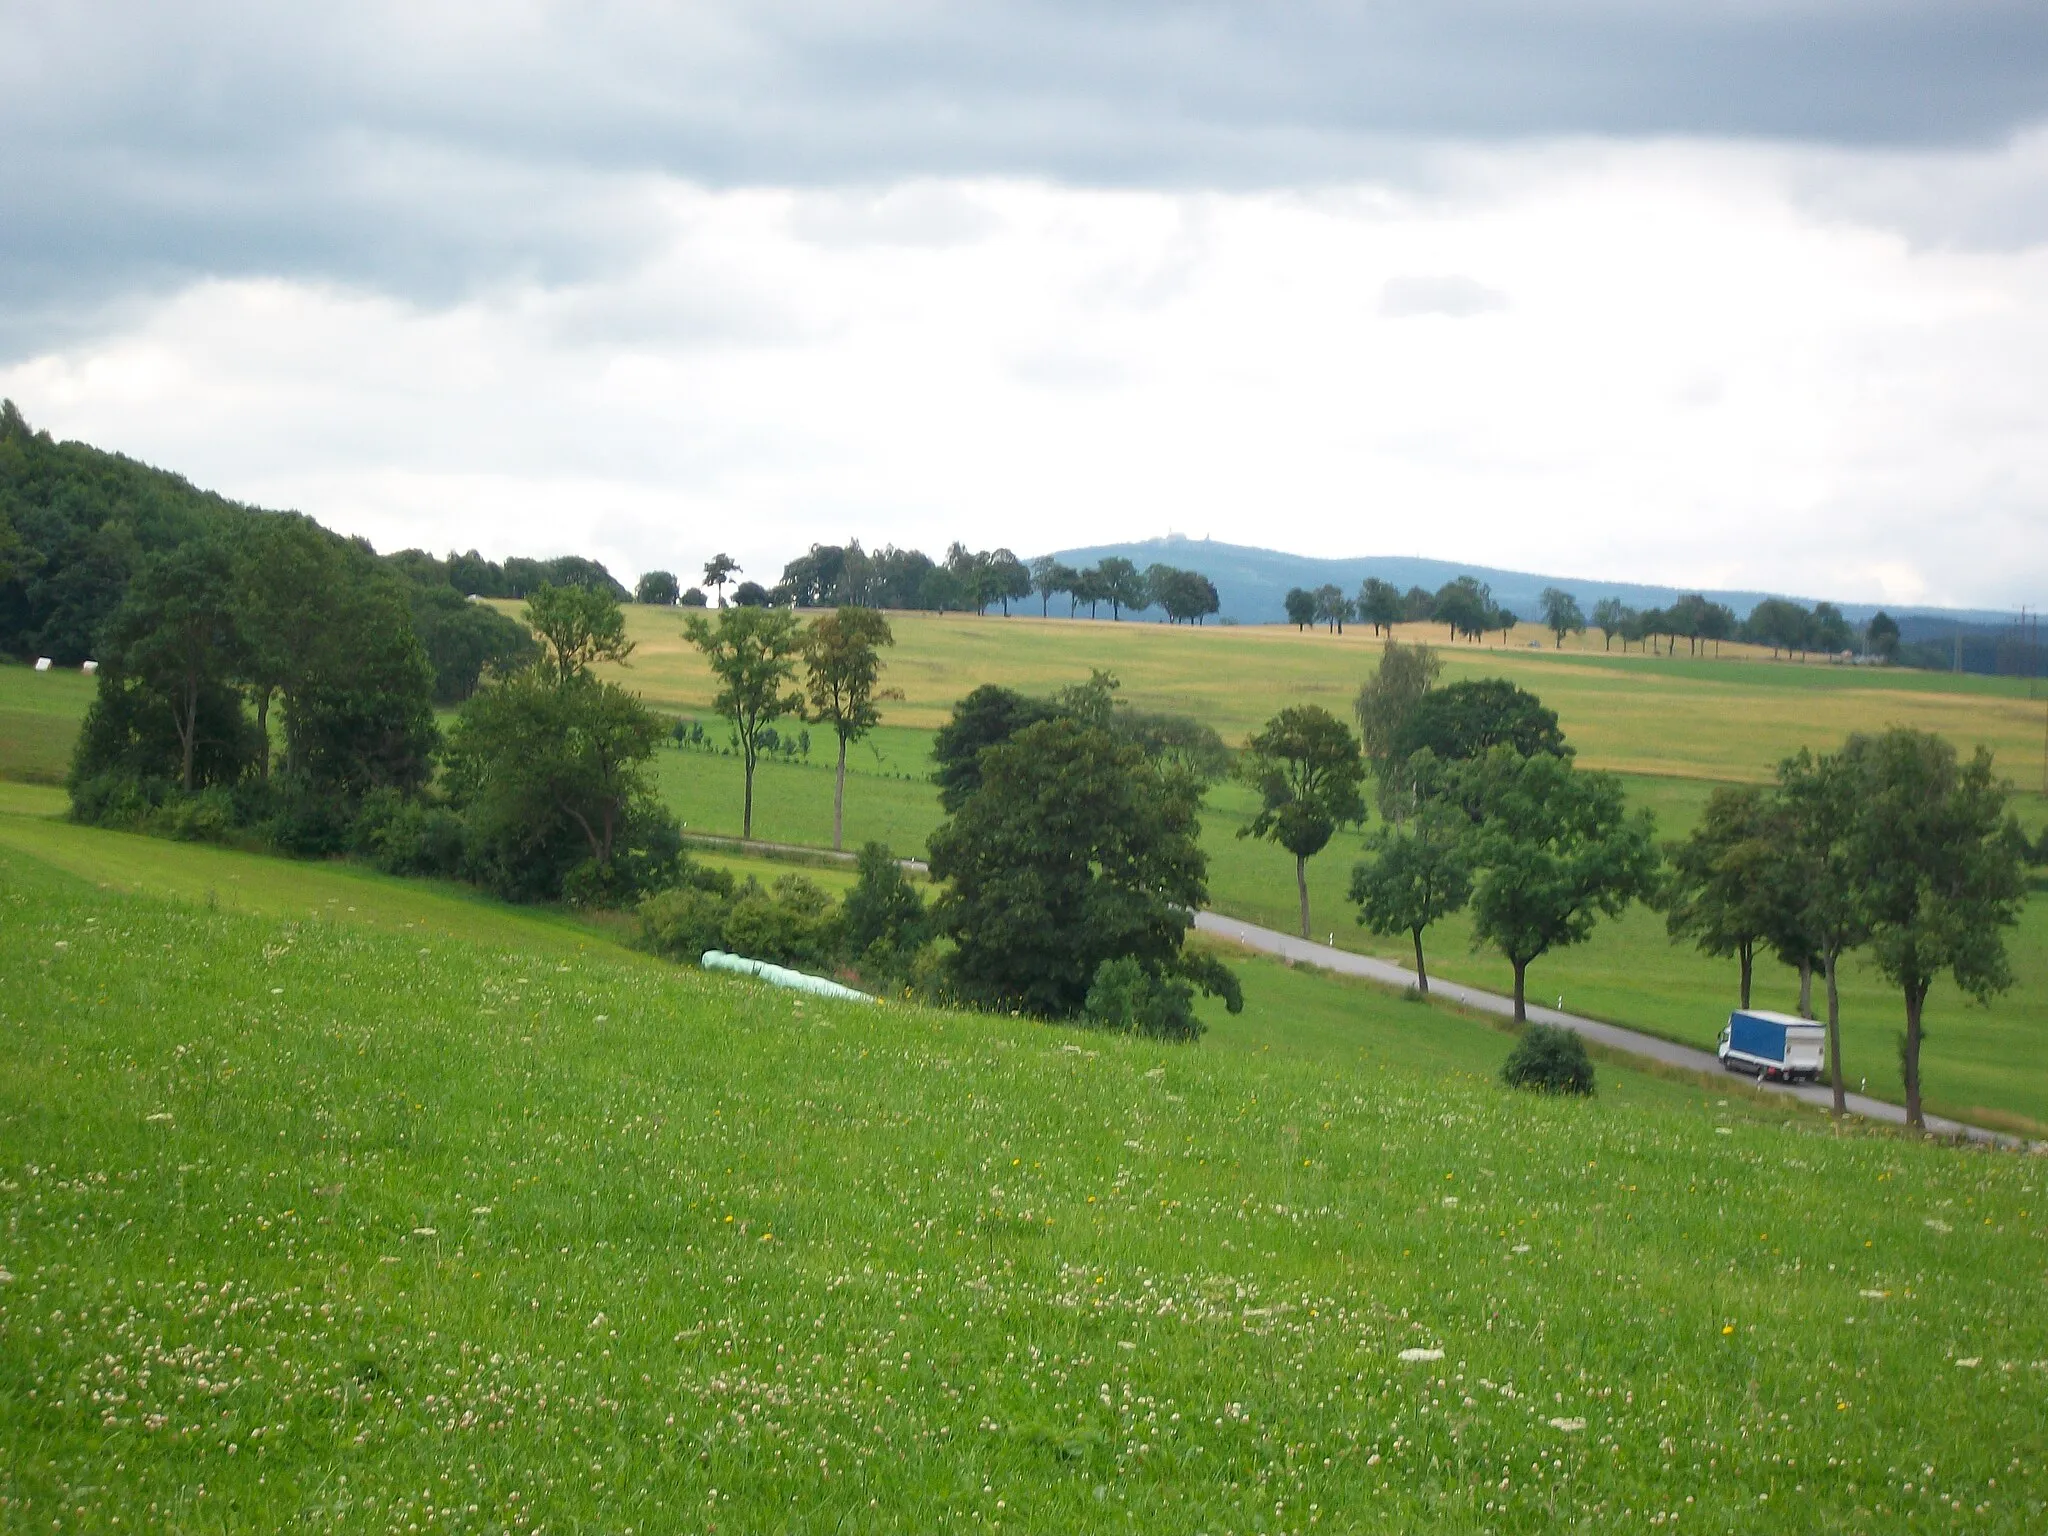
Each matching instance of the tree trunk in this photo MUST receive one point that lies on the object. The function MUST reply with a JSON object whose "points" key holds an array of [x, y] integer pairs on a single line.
{"points": [[1835, 1040], [1748, 969], [1909, 1066], [1521, 1005], [1301, 885], [263, 731], [1421, 974], [1806, 989], [839, 797], [747, 807], [188, 734]]}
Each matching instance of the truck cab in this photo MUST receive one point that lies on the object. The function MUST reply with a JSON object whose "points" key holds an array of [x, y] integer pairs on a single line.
{"points": [[1777, 1047]]}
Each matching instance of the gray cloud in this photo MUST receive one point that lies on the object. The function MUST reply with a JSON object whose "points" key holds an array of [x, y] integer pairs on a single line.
{"points": [[429, 150]]}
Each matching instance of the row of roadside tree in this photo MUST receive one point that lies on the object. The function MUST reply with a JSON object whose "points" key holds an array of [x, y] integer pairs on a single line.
{"points": [[1891, 844], [1467, 609]]}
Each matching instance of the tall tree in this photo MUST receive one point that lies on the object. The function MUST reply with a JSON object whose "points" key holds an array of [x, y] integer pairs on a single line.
{"points": [[176, 633], [1379, 604], [1719, 890], [658, 588], [577, 627], [1814, 883], [753, 653], [1071, 851], [1464, 607], [1940, 870], [719, 570], [1561, 615], [1557, 849], [1384, 703], [1009, 579], [1301, 607], [1306, 766], [1123, 586], [550, 775], [1050, 576], [1332, 607], [987, 717], [842, 664], [1881, 636], [1467, 719], [1610, 617], [1418, 875]]}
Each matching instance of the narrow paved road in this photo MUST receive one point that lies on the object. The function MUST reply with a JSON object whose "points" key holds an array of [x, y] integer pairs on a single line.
{"points": [[1287, 947]]}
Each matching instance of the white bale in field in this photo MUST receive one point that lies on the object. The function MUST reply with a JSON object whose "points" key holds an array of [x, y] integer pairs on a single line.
{"points": [[88, 667], [42, 663], [781, 976]]}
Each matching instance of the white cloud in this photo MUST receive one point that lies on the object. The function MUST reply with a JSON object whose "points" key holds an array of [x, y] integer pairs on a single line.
{"points": [[1690, 372]]}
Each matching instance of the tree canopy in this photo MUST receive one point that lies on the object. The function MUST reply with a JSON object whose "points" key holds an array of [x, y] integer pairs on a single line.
{"points": [[1306, 767], [753, 653], [1071, 850], [1465, 720]]}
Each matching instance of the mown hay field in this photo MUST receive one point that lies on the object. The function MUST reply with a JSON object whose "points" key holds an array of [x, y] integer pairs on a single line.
{"points": [[321, 1224], [1724, 719]]}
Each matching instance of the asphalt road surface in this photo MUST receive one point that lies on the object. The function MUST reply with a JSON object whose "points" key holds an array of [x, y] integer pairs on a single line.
{"points": [[1306, 951]]}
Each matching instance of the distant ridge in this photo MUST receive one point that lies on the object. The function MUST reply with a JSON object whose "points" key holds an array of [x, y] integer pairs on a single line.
{"points": [[1253, 584]]}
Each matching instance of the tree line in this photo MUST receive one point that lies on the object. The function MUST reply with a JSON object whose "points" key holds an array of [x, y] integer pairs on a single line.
{"points": [[1891, 844], [1467, 609], [966, 581]]}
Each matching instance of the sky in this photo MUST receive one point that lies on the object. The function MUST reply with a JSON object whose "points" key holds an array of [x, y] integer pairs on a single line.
{"points": [[1729, 294]]}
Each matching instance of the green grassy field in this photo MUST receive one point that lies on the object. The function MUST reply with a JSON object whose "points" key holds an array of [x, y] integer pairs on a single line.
{"points": [[39, 715], [1692, 722], [310, 1224], [1728, 719]]}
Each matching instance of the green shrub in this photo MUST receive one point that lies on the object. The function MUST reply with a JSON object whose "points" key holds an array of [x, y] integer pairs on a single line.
{"points": [[1550, 1060], [682, 922], [205, 817], [1125, 997], [792, 924], [405, 836]]}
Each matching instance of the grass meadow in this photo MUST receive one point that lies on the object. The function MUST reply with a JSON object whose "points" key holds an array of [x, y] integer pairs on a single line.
{"points": [[1673, 726], [391, 1219]]}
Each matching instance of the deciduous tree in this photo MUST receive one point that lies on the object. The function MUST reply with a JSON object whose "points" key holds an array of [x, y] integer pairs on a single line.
{"points": [[842, 664], [753, 653], [1940, 873], [1306, 767], [1557, 849], [1418, 875], [1561, 615], [1072, 850], [1720, 886], [658, 588], [577, 627]]}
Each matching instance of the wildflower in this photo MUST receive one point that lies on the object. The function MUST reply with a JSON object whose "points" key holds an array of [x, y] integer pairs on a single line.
{"points": [[1728, 1329], [423, 1232], [1569, 1426], [1422, 1354], [1971, 1363]]}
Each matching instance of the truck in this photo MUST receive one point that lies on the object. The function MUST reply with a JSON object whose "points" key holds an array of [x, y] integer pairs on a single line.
{"points": [[1779, 1046]]}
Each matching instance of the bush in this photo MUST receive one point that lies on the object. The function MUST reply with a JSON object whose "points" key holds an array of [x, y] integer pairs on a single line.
{"points": [[793, 924], [205, 817], [403, 836], [1550, 1060], [683, 922], [1126, 998]]}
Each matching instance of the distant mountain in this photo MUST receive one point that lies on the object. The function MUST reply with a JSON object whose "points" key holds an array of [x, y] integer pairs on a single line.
{"points": [[1253, 584]]}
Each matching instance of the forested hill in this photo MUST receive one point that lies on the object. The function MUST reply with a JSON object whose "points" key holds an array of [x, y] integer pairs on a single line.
{"points": [[1253, 583], [76, 522]]}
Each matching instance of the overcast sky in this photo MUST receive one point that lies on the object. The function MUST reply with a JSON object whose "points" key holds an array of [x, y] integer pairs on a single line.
{"points": [[1732, 293]]}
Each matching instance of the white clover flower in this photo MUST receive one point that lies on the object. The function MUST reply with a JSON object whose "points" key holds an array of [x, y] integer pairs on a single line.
{"points": [[1569, 1426], [1421, 1354]]}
